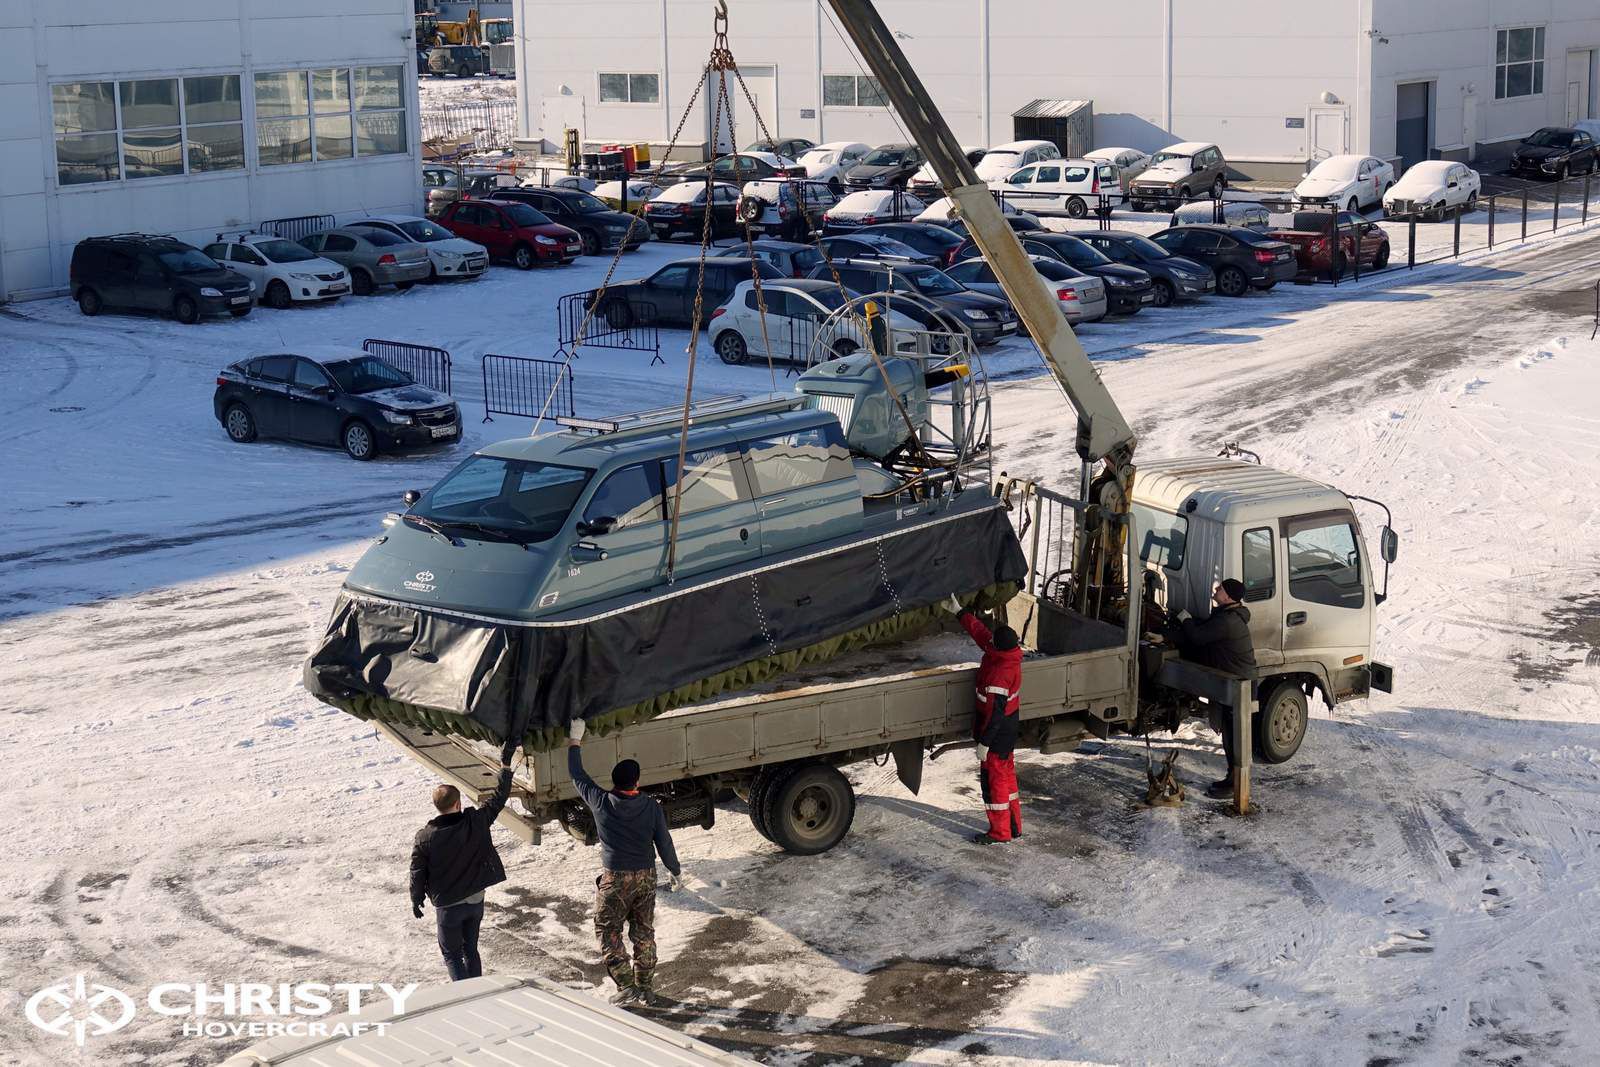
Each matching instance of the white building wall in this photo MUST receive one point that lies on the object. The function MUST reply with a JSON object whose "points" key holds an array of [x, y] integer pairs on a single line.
{"points": [[49, 41]]}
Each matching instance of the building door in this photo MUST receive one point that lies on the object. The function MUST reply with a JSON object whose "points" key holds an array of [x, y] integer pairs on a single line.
{"points": [[1412, 121], [1469, 125], [1578, 87], [763, 85], [1329, 127]]}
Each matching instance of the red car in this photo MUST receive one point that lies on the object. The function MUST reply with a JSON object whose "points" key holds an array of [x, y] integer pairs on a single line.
{"points": [[513, 231], [1311, 234]]}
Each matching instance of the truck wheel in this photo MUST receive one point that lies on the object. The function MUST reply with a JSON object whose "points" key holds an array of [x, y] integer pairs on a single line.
{"points": [[810, 810], [1280, 724], [760, 789]]}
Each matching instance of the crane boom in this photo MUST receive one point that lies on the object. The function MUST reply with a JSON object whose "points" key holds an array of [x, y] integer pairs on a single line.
{"points": [[1103, 434]]}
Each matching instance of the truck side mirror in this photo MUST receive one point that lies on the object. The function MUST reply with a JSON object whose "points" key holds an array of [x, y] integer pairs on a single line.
{"points": [[411, 496], [1388, 544], [597, 527]]}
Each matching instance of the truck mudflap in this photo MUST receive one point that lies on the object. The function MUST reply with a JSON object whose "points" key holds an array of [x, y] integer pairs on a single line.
{"points": [[628, 661], [1381, 676]]}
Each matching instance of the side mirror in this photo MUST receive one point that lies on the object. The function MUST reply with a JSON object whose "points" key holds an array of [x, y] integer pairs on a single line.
{"points": [[597, 527], [411, 496], [587, 552], [1388, 544]]}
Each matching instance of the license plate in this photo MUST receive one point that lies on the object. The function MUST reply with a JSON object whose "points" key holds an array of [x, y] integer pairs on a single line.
{"points": [[574, 249], [1148, 298], [444, 431], [660, 227], [1283, 257], [240, 300], [341, 288]]}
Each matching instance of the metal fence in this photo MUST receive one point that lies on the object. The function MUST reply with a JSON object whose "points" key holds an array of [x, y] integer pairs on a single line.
{"points": [[427, 365], [618, 323], [297, 226], [473, 126], [530, 388]]}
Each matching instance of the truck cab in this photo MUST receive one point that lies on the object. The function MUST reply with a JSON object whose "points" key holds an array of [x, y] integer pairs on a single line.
{"points": [[1297, 545]]}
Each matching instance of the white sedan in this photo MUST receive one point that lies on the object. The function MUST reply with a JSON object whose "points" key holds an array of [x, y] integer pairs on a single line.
{"points": [[449, 256], [869, 207], [1349, 182], [1433, 189], [1129, 161], [828, 162], [799, 326], [284, 273]]}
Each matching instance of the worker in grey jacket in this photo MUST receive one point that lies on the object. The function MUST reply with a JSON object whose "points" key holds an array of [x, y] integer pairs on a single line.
{"points": [[632, 829]]}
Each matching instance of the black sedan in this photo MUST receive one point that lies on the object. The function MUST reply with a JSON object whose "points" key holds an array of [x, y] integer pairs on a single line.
{"points": [[1554, 152], [987, 318], [1175, 278], [666, 297], [888, 166], [790, 148], [601, 228], [342, 397], [859, 245], [1127, 288], [1241, 259], [928, 238], [740, 167]]}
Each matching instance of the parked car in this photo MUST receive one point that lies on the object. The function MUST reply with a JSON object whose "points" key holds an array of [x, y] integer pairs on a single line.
{"points": [[888, 166], [1246, 213], [1020, 223], [1241, 259], [925, 183], [449, 256], [942, 212], [682, 209], [829, 162], [512, 231], [1082, 296], [929, 238], [284, 273], [1179, 172], [788, 148], [1433, 189], [666, 298], [1002, 159], [639, 190], [445, 185], [597, 226], [145, 272], [332, 396], [796, 310], [1071, 187], [987, 318], [740, 167], [1130, 162], [1175, 277], [462, 60], [1553, 152], [372, 257], [874, 246], [792, 259], [1127, 288], [869, 207], [1352, 182], [786, 207], [1321, 252]]}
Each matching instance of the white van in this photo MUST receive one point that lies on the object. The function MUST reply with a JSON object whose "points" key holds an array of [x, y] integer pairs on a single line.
{"points": [[1071, 187], [1002, 159]]}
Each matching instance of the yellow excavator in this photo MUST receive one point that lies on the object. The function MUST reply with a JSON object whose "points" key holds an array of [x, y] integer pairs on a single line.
{"points": [[432, 31]]}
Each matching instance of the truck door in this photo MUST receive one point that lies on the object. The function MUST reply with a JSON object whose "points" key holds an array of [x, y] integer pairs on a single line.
{"points": [[1258, 570], [1326, 611], [717, 523]]}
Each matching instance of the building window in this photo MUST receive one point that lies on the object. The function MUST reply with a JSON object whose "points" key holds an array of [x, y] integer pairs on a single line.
{"points": [[630, 88], [308, 116], [1518, 62], [852, 90], [146, 128]]}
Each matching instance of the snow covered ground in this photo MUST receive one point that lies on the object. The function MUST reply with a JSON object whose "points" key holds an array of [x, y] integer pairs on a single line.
{"points": [[1419, 887]]}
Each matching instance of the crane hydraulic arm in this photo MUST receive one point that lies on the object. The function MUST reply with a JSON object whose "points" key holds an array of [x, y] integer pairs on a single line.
{"points": [[1103, 434]]}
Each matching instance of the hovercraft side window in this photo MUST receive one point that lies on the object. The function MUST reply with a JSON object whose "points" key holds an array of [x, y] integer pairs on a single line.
{"points": [[631, 496], [709, 483], [799, 459]]}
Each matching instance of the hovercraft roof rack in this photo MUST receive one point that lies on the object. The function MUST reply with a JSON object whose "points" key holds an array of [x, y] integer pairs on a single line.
{"points": [[712, 410]]}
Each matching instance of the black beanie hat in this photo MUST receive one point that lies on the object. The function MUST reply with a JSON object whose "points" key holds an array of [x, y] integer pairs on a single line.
{"points": [[1234, 588], [1005, 638], [625, 775]]}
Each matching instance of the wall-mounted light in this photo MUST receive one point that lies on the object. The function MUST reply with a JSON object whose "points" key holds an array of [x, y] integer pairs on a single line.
{"points": [[1375, 35]]}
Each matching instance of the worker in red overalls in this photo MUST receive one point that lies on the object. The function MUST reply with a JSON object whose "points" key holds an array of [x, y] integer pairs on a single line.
{"points": [[994, 724]]}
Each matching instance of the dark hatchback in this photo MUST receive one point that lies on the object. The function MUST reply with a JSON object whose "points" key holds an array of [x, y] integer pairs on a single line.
{"points": [[928, 238], [1127, 288], [1175, 278], [1554, 152], [342, 397], [987, 318], [857, 245], [601, 228], [1241, 259], [666, 298], [144, 272]]}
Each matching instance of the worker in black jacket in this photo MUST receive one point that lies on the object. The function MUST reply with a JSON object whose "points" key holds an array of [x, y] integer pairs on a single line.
{"points": [[1222, 640], [632, 829], [453, 862]]}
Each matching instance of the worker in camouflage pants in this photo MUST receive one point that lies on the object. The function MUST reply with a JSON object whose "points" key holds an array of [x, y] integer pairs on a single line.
{"points": [[632, 830]]}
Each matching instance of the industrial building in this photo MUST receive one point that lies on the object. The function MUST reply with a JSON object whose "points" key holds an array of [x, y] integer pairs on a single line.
{"points": [[1273, 82], [188, 118]]}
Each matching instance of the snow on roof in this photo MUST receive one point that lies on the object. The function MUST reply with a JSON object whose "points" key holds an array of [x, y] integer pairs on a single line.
{"points": [[325, 353], [1229, 489], [1186, 148], [1015, 147], [393, 218], [1342, 166]]}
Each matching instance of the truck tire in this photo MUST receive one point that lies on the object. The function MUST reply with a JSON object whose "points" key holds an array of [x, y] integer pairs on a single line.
{"points": [[760, 789], [809, 810], [1280, 723]]}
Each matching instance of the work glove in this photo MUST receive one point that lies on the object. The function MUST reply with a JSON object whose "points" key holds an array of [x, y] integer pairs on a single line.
{"points": [[983, 752], [416, 911], [674, 882], [575, 731], [953, 604], [508, 752]]}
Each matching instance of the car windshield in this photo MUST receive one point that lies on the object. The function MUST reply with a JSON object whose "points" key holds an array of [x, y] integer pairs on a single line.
{"points": [[1338, 169], [366, 374], [188, 261], [1177, 159], [1145, 248], [1079, 254], [885, 157], [283, 251], [930, 282], [1549, 139], [424, 231], [584, 204], [523, 215], [518, 499]]}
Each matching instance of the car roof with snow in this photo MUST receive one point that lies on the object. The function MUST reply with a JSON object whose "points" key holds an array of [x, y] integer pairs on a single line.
{"points": [[684, 192], [323, 354], [1017, 146], [836, 146], [1429, 169], [1230, 489], [1111, 153], [391, 218], [1187, 148], [872, 199]]}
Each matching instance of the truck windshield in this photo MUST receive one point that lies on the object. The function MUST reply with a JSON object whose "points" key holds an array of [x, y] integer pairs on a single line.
{"points": [[521, 499]]}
